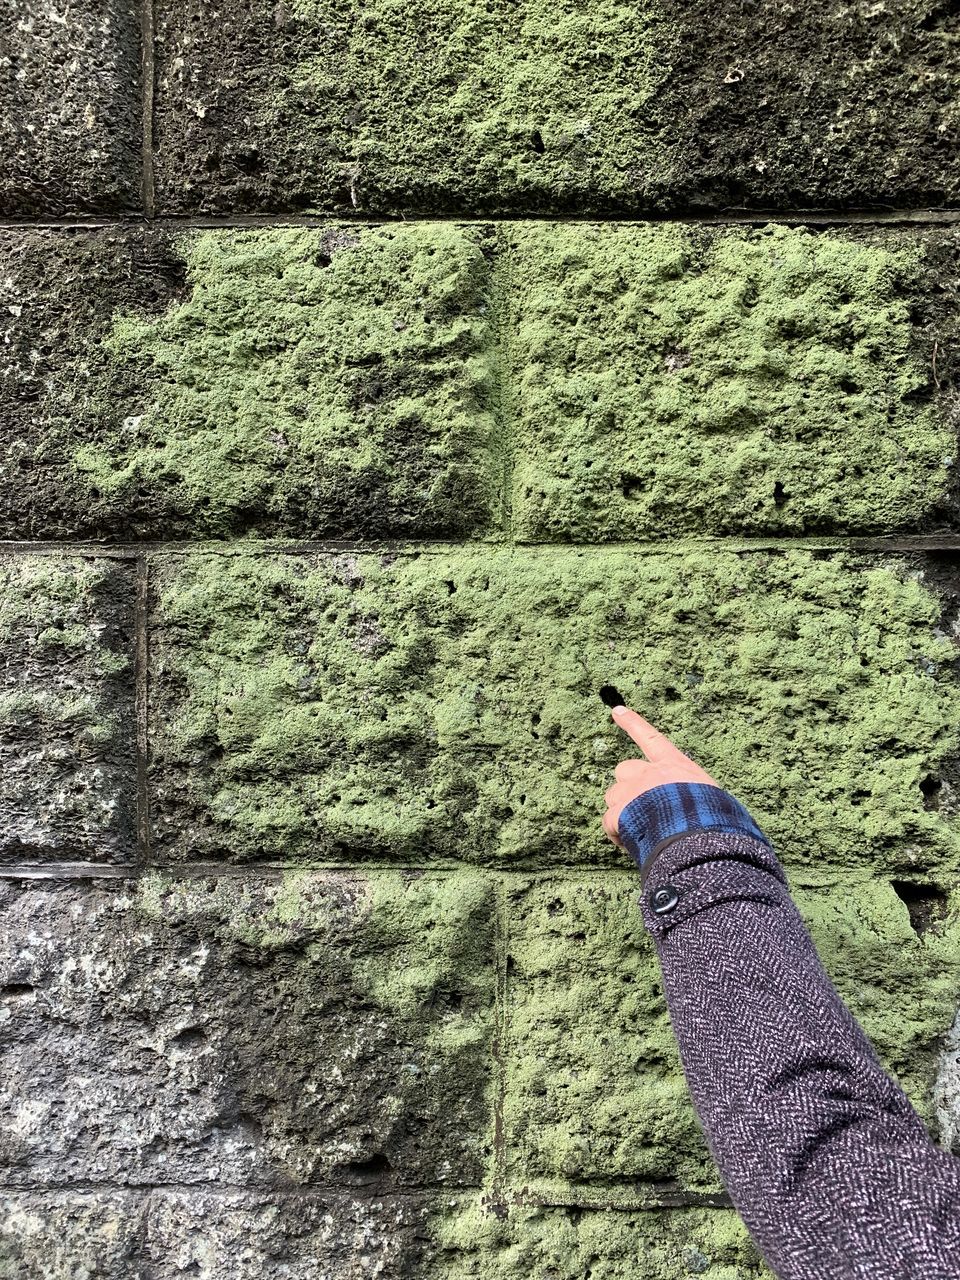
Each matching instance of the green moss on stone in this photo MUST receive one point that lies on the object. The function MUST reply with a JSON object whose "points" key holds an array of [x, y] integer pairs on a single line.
{"points": [[665, 379], [568, 1244], [444, 705], [595, 1094], [359, 1018], [594, 1089], [488, 103], [316, 382]]}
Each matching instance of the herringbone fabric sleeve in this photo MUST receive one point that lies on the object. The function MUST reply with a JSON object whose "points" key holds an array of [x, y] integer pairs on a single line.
{"points": [[826, 1161]]}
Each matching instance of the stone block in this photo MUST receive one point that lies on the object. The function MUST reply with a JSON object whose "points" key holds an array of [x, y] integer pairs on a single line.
{"points": [[512, 108], [61, 389], [70, 113], [268, 1032], [596, 1104], [665, 379], [444, 705], [570, 1243], [300, 382], [67, 767], [234, 1236], [65, 1235]]}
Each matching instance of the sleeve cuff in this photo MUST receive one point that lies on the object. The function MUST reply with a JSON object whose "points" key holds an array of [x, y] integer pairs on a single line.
{"points": [[676, 809]]}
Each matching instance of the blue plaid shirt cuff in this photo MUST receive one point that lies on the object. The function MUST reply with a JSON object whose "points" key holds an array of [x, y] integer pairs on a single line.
{"points": [[678, 808]]}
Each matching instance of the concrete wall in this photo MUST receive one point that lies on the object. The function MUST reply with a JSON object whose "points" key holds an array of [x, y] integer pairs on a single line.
{"points": [[375, 383]]}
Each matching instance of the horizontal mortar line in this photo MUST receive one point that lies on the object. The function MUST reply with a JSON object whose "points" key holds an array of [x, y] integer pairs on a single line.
{"points": [[885, 215], [314, 1190], [943, 541], [669, 1200], [274, 870], [507, 1198]]}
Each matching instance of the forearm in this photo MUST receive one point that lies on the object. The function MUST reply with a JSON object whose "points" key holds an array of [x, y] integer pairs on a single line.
{"points": [[823, 1156]]}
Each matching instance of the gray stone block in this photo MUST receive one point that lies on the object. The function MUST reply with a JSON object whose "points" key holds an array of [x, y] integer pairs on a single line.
{"points": [[67, 767], [64, 1235], [311, 1029], [231, 1236], [70, 114]]}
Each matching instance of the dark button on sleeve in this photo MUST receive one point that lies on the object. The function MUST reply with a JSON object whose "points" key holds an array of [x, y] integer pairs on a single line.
{"points": [[663, 899]]}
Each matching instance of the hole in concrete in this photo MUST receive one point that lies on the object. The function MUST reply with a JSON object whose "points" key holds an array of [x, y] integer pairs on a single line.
{"points": [[16, 990], [189, 1038], [367, 1170], [779, 496], [930, 788], [536, 141], [926, 904]]}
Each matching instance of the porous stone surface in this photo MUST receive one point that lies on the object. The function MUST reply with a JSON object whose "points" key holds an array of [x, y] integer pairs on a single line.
{"points": [[569, 1243], [596, 1102], [243, 1237], [60, 388], [67, 770], [301, 1029], [496, 107], [665, 380], [70, 122], [64, 1235], [300, 382], [444, 705]]}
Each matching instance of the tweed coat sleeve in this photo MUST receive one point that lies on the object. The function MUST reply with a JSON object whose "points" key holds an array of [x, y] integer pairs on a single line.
{"points": [[822, 1154]]}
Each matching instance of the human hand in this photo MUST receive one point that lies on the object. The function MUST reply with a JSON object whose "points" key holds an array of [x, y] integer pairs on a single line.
{"points": [[664, 763]]}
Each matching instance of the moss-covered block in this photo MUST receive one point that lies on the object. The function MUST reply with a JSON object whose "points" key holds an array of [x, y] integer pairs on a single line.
{"points": [[444, 705], [60, 388], [594, 1090], [303, 382], [273, 1031], [507, 107], [596, 1104], [64, 1235], [70, 107], [668, 379], [571, 1243], [67, 771]]}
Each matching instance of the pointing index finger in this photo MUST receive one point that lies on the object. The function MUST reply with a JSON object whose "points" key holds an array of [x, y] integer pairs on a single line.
{"points": [[654, 744]]}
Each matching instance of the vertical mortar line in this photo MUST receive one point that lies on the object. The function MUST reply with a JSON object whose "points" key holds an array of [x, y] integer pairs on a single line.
{"points": [[141, 704], [147, 32], [502, 320], [499, 1045]]}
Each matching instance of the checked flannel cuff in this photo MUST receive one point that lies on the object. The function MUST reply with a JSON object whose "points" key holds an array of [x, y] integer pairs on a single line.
{"points": [[679, 808]]}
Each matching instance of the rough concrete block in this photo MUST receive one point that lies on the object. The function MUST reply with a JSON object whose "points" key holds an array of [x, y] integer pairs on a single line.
{"points": [[667, 379], [568, 1244], [270, 1031], [63, 1235], [70, 116], [506, 107], [299, 382], [67, 770], [596, 1104], [233, 1236], [444, 705], [594, 1089], [60, 387]]}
